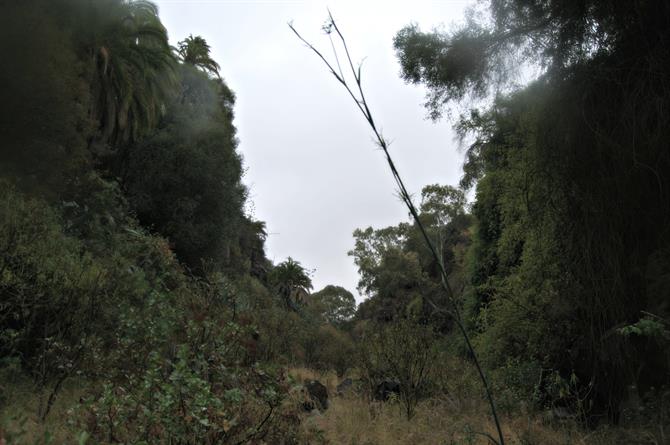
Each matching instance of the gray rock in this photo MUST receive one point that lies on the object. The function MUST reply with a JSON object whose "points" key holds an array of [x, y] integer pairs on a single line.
{"points": [[387, 388], [318, 393], [344, 387]]}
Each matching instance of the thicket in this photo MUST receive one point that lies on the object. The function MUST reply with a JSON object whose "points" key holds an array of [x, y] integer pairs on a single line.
{"points": [[570, 243]]}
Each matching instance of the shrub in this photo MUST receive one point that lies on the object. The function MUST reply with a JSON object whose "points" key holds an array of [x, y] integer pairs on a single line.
{"points": [[403, 351]]}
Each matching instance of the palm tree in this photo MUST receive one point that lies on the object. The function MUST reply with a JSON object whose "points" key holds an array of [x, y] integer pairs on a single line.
{"points": [[195, 51], [291, 281], [133, 68]]}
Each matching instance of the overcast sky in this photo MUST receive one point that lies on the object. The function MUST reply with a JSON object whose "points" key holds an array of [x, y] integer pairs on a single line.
{"points": [[313, 171]]}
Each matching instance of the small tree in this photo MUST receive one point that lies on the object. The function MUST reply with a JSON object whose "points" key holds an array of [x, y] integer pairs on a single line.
{"points": [[334, 304], [402, 351], [291, 281]]}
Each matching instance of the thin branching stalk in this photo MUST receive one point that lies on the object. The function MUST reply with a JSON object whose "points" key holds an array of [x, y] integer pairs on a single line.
{"points": [[358, 97]]}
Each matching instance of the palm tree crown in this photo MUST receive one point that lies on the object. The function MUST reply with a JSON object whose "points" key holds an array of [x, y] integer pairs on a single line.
{"points": [[133, 68], [291, 280], [195, 51]]}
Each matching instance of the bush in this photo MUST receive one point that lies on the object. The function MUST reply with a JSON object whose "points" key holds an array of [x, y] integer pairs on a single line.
{"points": [[402, 351], [184, 372], [51, 291]]}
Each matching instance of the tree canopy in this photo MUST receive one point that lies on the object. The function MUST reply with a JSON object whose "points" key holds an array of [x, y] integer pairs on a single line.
{"points": [[334, 303], [570, 174]]}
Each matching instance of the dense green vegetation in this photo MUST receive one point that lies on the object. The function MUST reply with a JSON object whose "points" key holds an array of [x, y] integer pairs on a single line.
{"points": [[570, 245], [130, 277], [137, 302]]}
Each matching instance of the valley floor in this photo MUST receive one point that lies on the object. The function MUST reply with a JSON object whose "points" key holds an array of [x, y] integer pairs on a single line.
{"points": [[352, 420]]}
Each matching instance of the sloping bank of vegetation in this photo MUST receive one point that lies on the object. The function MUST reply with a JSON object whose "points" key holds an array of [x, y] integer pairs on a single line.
{"points": [[568, 275], [137, 304], [132, 284]]}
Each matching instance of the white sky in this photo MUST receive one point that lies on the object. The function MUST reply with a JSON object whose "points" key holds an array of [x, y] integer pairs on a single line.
{"points": [[313, 172]]}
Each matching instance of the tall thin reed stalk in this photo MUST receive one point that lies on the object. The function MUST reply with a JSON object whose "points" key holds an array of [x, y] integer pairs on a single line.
{"points": [[358, 97]]}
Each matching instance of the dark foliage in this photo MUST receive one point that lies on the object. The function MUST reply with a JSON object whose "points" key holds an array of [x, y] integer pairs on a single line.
{"points": [[573, 173]]}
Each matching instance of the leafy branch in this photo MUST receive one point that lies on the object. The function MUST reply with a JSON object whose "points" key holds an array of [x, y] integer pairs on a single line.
{"points": [[358, 96]]}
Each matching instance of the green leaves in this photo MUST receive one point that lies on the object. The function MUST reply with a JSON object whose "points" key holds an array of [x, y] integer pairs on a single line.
{"points": [[450, 65], [648, 326], [441, 204], [185, 180], [188, 380], [291, 281], [195, 51], [395, 266], [134, 68], [334, 303]]}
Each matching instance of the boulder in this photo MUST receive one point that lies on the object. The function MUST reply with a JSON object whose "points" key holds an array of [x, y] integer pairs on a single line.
{"points": [[318, 393], [344, 387], [386, 388]]}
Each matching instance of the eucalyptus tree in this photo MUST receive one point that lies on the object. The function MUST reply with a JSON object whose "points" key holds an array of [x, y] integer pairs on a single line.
{"points": [[335, 304]]}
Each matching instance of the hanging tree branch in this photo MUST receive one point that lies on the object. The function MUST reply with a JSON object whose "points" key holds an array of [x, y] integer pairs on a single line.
{"points": [[358, 96]]}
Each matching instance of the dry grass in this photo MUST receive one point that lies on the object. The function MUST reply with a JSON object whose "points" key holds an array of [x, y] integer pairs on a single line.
{"points": [[20, 424], [352, 420]]}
